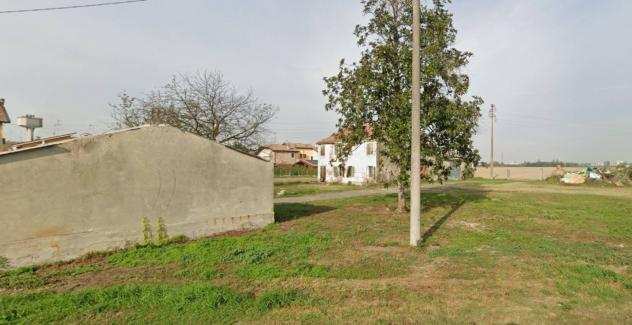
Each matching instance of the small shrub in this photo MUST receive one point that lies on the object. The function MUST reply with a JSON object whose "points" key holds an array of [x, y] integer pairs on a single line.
{"points": [[148, 236], [4, 263], [163, 237]]}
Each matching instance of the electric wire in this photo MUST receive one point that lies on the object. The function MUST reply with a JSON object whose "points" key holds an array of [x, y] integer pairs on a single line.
{"points": [[100, 4]]}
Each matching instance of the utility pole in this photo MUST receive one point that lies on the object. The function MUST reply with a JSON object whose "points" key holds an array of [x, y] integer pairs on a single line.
{"points": [[492, 116], [415, 166], [56, 127]]}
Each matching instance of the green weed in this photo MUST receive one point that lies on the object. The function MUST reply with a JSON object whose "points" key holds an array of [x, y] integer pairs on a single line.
{"points": [[262, 255], [22, 278], [144, 303]]}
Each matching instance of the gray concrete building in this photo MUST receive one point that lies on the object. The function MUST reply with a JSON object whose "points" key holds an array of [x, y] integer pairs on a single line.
{"points": [[66, 198]]}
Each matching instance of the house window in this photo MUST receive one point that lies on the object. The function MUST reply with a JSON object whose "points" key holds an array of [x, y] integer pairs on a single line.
{"points": [[337, 171], [371, 171], [369, 149], [322, 150], [292, 154], [350, 171], [303, 156]]}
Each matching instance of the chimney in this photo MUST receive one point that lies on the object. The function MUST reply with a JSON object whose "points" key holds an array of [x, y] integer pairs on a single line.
{"points": [[4, 118]]}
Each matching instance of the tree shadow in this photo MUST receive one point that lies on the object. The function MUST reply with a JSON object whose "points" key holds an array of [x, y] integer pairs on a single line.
{"points": [[430, 232], [284, 212], [454, 198]]}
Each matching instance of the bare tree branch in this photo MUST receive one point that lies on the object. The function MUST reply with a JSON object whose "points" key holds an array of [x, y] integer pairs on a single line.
{"points": [[203, 103]]}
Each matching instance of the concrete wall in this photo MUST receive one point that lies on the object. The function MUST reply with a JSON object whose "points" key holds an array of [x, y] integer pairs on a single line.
{"points": [[88, 195], [520, 173]]}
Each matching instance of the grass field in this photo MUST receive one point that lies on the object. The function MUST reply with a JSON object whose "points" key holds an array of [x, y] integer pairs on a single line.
{"points": [[309, 188], [487, 256]]}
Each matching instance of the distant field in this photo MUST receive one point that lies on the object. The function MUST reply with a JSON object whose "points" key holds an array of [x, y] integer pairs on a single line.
{"points": [[521, 173], [493, 252]]}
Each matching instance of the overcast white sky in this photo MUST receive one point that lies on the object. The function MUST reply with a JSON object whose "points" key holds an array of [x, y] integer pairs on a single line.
{"points": [[559, 71]]}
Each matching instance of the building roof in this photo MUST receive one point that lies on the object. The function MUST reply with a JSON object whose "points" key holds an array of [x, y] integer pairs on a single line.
{"points": [[299, 145], [4, 116], [335, 137], [310, 163], [287, 147], [280, 147], [61, 139], [37, 144], [332, 139]]}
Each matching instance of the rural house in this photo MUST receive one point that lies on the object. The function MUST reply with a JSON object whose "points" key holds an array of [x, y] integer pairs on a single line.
{"points": [[360, 167], [288, 153], [65, 197]]}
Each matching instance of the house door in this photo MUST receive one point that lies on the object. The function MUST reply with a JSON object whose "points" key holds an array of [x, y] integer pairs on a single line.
{"points": [[323, 173]]}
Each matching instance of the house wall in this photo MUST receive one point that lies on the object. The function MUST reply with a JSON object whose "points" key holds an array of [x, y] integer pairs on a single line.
{"points": [[358, 158], [90, 194], [309, 154], [285, 158]]}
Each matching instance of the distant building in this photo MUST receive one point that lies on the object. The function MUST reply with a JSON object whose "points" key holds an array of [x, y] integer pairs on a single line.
{"points": [[4, 119], [360, 167], [288, 153]]}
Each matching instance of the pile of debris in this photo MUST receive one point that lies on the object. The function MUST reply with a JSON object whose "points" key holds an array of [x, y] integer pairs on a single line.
{"points": [[618, 176]]}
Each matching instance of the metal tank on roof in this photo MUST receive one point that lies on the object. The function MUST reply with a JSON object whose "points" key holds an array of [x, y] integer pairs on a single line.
{"points": [[30, 123]]}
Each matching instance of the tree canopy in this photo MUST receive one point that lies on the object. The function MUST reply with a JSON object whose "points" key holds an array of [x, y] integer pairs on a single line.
{"points": [[375, 92], [203, 103]]}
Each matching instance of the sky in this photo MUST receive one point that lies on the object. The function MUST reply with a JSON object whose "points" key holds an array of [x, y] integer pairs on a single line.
{"points": [[558, 71]]}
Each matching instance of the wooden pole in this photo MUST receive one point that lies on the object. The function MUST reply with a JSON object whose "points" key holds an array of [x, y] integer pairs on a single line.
{"points": [[492, 115]]}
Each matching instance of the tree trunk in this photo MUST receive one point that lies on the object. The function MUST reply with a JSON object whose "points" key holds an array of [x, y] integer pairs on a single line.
{"points": [[401, 198]]}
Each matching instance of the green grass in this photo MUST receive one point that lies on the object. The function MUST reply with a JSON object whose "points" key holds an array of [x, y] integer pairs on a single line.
{"points": [[22, 278], [486, 257], [145, 303], [262, 255], [301, 189]]}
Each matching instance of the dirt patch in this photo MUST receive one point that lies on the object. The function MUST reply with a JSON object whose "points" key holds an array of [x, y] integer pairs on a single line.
{"points": [[114, 276], [470, 225], [386, 249], [376, 210]]}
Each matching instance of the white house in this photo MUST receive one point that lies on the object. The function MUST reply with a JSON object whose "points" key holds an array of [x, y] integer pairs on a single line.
{"points": [[360, 167]]}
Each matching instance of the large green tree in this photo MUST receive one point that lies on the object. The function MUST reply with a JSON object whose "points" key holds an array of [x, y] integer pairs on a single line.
{"points": [[374, 93]]}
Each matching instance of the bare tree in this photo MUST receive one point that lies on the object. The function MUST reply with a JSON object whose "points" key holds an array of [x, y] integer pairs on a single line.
{"points": [[203, 103]]}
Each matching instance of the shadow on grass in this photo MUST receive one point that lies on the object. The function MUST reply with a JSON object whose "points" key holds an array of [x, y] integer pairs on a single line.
{"points": [[290, 211], [428, 234], [449, 196]]}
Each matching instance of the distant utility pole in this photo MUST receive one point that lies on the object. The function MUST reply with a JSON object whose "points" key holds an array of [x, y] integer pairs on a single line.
{"points": [[56, 127], [415, 166], [492, 116]]}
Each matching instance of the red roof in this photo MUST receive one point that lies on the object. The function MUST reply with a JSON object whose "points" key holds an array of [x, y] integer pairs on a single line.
{"points": [[335, 137]]}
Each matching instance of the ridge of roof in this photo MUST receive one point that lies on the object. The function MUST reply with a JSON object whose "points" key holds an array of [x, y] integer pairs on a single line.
{"points": [[65, 138]]}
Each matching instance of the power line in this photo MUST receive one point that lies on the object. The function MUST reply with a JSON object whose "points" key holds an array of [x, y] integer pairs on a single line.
{"points": [[100, 4]]}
